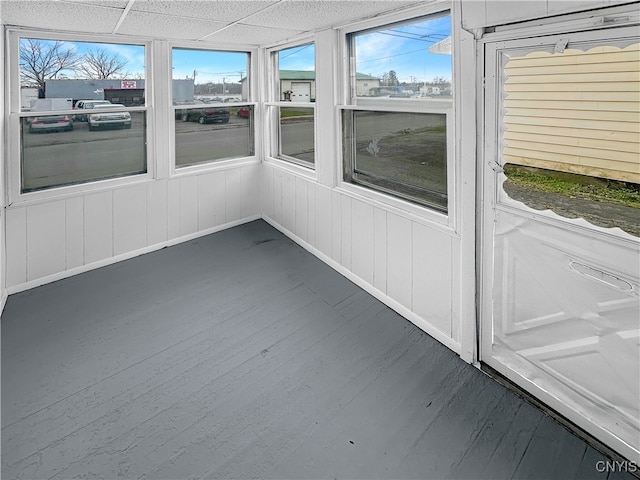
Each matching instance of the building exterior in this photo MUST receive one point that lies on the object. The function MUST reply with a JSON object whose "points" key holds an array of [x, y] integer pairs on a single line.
{"points": [[128, 92]]}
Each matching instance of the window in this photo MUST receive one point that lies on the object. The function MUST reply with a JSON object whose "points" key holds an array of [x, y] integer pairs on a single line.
{"points": [[81, 110], [570, 135], [293, 109], [213, 119], [396, 123]]}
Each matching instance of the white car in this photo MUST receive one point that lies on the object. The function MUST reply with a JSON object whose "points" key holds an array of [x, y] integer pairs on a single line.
{"points": [[116, 119], [87, 105]]}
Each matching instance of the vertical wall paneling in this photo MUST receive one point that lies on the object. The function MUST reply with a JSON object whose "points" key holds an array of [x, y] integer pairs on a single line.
{"points": [[129, 219], [346, 226], [157, 211], [16, 246], [462, 291], [362, 240], [188, 205], [98, 227], [336, 226], [431, 276], [301, 208], [288, 202], [380, 249], [234, 193], [46, 233], [74, 225], [277, 195], [324, 209], [266, 189], [251, 191], [311, 209], [173, 208], [399, 261], [210, 208]]}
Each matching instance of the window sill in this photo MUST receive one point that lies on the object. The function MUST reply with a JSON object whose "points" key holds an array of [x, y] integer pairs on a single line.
{"points": [[398, 206]]}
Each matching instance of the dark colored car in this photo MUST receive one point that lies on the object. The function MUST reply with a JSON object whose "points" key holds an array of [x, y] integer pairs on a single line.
{"points": [[206, 115]]}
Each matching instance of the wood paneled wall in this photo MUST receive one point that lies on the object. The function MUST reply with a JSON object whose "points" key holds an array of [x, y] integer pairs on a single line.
{"points": [[58, 238], [410, 266]]}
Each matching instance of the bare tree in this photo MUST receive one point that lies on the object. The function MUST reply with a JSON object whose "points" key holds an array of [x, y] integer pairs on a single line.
{"points": [[102, 65], [41, 60]]}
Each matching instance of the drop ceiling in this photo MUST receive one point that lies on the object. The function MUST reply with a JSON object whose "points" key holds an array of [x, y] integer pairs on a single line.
{"points": [[236, 22]]}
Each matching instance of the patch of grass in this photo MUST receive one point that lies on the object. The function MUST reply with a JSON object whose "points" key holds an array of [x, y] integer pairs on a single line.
{"points": [[573, 185]]}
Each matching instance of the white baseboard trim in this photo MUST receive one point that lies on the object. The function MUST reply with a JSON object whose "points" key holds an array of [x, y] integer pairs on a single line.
{"points": [[118, 258], [418, 321]]}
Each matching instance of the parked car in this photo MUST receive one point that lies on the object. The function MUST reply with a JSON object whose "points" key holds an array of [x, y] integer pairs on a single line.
{"points": [[87, 105], [117, 119], [244, 112], [51, 123], [206, 115]]}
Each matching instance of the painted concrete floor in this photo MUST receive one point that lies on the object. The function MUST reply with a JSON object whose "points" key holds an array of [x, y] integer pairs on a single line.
{"points": [[240, 355]]}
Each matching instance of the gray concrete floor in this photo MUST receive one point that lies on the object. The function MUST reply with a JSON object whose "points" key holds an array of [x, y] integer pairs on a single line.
{"points": [[240, 355]]}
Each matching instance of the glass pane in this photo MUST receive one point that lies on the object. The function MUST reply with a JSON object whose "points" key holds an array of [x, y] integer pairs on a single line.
{"points": [[55, 74], [404, 154], [214, 133], [207, 76], [57, 151], [297, 133], [571, 142], [408, 60], [297, 74]]}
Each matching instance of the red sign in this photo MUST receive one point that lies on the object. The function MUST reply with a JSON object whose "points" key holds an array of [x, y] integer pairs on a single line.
{"points": [[127, 84]]}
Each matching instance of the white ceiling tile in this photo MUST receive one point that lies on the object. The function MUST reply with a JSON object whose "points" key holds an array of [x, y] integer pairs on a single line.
{"points": [[62, 15], [252, 35], [165, 26], [218, 10], [313, 15]]}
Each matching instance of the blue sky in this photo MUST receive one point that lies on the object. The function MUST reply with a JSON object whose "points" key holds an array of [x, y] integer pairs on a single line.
{"points": [[405, 49], [402, 48]]}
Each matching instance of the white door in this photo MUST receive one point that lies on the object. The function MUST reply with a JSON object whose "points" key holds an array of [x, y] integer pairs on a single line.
{"points": [[300, 92], [560, 310]]}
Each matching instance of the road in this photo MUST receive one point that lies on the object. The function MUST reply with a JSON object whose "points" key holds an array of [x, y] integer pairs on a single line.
{"points": [[60, 158]]}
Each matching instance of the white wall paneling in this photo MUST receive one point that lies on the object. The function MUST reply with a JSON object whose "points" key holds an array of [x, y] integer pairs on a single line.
{"points": [[324, 232], [432, 276], [362, 240], [52, 239], [399, 259], [129, 219], [408, 264], [46, 233], [211, 201], [234, 194], [74, 232], [16, 246], [98, 227], [302, 209]]}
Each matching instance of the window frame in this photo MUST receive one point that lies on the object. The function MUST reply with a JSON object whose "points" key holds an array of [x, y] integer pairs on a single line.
{"points": [[348, 101], [273, 104], [15, 115], [222, 163]]}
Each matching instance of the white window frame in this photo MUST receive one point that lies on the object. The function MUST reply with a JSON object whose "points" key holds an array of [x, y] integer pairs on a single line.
{"points": [[222, 163], [14, 186], [348, 101], [273, 105]]}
